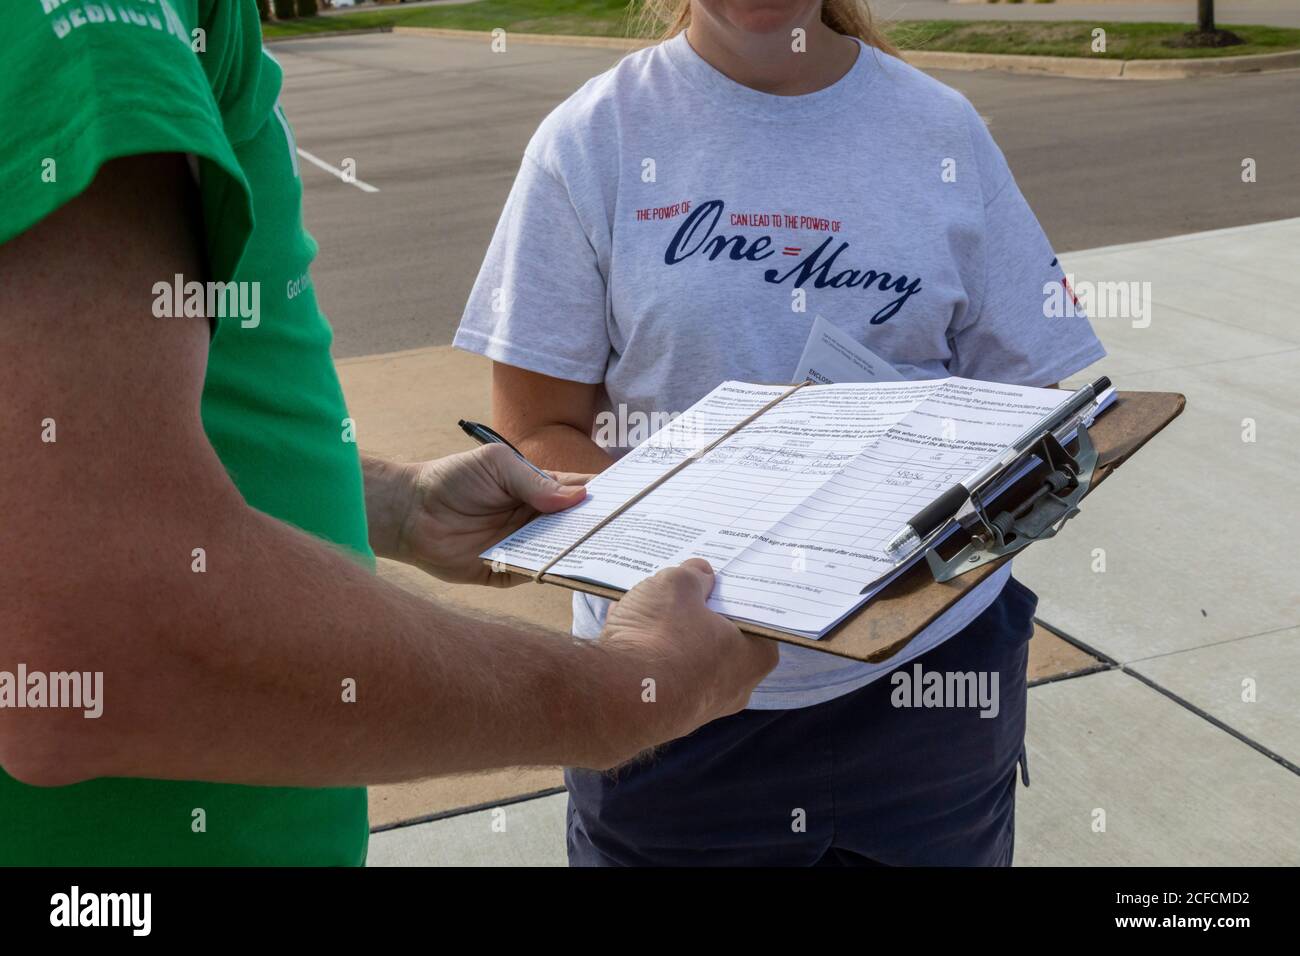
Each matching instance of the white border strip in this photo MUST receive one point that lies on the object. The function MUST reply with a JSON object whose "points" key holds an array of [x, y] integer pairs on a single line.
{"points": [[317, 161]]}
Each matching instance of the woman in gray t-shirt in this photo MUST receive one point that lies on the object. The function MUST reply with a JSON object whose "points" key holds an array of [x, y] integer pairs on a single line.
{"points": [[680, 220]]}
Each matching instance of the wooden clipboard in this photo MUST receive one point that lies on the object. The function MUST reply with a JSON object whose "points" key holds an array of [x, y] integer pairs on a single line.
{"points": [[885, 625]]}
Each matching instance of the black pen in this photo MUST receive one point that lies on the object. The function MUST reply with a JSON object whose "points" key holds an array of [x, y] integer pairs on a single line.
{"points": [[486, 436], [943, 508]]}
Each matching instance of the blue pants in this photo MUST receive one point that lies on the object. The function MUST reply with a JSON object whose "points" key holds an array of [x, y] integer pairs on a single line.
{"points": [[853, 781]]}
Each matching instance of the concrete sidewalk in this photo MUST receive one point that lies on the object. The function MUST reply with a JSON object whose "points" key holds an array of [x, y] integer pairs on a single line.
{"points": [[1184, 750]]}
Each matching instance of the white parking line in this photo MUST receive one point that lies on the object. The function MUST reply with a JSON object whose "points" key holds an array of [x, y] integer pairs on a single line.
{"points": [[353, 181]]}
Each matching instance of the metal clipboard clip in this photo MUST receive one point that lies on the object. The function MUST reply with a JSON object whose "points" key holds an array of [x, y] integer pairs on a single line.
{"points": [[996, 534]]}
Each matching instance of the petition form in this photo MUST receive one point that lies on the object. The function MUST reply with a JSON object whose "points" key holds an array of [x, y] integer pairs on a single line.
{"points": [[793, 510]]}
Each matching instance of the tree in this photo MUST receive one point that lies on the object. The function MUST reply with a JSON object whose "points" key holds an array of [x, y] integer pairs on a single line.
{"points": [[285, 10], [1206, 33], [308, 8]]}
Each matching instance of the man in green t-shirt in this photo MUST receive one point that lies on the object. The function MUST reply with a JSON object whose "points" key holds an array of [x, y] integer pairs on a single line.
{"points": [[186, 515]]}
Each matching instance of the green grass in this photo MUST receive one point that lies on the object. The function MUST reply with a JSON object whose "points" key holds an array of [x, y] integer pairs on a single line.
{"points": [[581, 17], [1124, 41], [349, 21]]}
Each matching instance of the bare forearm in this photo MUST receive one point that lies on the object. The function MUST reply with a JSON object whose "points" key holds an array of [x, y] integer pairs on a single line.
{"points": [[388, 490], [563, 448], [231, 646], [286, 663], [548, 419]]}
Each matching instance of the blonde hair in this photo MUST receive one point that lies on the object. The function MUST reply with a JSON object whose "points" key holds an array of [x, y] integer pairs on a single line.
{"points": [[849, 17]]}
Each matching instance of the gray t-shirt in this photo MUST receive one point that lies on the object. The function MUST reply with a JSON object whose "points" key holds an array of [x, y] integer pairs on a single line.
{"points": [[670, 228]]}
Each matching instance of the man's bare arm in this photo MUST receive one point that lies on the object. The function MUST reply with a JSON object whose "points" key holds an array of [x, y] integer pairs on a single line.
{"points": [[237, 674]]}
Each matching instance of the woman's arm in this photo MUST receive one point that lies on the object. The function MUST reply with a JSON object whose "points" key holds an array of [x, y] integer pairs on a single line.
{"points": [[548, 419]]}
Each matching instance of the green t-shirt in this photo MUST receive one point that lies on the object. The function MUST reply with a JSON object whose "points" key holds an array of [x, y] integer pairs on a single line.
{"points": [[86, 81]]}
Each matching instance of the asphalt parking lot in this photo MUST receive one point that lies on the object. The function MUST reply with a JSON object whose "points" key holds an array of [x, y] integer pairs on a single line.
{"points": [[437, 127]]}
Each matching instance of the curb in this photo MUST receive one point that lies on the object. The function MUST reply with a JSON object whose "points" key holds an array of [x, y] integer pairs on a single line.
{"points": [[1078, 67], [327, 33], [1211, 66], [1087, 68]]}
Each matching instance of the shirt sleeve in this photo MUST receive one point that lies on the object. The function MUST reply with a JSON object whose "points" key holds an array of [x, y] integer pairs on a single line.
{"points": [[1026, 328], [539, 302], [88, 83]]}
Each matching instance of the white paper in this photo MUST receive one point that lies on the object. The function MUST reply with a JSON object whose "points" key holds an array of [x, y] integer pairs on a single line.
{"points": [[793, 512], [832, 355]]}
